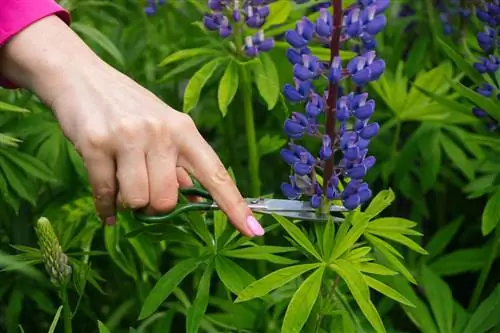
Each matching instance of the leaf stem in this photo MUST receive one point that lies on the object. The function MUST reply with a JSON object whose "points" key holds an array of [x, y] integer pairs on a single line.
{"points": [[485, 271], [331, 102], [66, 310]]}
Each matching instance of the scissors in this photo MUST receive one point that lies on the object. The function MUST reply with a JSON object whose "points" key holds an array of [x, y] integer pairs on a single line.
{"points": [[293, 209]]}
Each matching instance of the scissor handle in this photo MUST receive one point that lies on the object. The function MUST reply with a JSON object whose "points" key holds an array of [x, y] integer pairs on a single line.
{"points": [[180, 208]]}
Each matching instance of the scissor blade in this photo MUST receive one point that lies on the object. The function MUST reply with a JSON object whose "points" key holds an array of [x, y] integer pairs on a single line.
{"points": [[303, 215], [280, 205]]}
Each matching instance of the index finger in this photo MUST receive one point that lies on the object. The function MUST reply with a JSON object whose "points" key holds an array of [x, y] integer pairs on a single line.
{"points": [[203, 163]]}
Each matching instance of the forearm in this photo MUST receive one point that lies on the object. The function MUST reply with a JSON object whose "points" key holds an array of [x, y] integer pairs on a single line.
{"points": [[46, 58]]}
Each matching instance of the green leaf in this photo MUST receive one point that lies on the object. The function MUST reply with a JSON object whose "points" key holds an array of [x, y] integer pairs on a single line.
{"points": [[461, 63], [393, 224], [12, 108], [491, 214], [397, 237], [273, 281], [220, 223], [278, 13], [486, 316], [329, 238], [100, 39], [440, 298], [102, 327], [53, 325], [374, 268], [199, 306], [344, 243], [387, 291], [115, 251], [359, 290], [458, 157], [297, 235], [262, 253], [196, 84], [267, 80], [228, 86], [481, 101], [269, 144], [167, 284], [29, 164], [389, 254], [187, 55], [381, 201], [234, 277], [442, 238], [302, 302], [460, 261]]}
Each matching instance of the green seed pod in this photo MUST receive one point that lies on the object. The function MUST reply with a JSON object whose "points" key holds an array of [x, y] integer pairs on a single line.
{"points": [[56, 262]]}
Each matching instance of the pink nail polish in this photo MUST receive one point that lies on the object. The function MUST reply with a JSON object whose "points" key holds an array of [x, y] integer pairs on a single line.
{"points": [[110, 220], [254, 226]]}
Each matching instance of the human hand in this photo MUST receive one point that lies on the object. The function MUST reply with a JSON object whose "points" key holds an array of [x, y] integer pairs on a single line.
{"points": [[137, 150]]}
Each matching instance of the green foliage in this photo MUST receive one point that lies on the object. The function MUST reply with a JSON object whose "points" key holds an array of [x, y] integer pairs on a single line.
{"points": [[421, 257]]}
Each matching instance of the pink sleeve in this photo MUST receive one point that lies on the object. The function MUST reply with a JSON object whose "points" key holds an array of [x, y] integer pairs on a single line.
{"points": [[15, 15]]}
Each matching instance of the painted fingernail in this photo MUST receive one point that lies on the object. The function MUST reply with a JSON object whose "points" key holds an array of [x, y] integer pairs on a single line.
{"points": [[110, 220], [254, 226]]}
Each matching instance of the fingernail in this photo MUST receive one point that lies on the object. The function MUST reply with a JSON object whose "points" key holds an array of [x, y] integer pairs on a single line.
{"points": [[254, 226], [110, 220]]}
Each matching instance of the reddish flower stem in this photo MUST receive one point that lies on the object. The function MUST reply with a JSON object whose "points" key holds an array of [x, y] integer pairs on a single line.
{"points": [[331, 102]]}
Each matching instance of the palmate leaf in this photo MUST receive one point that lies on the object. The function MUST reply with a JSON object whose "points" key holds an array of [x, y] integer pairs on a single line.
{"points": [[486, 316], [196, 84], [386, 290], [344, 242], [297, 235], [273, 281], [359, 290], [302, 302], [262, 253], [491, 214], [234, 277], [381, 201]]}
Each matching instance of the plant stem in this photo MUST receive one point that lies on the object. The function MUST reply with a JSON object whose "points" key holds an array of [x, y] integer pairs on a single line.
{"points": [[331, 102], [485, 271], [253, 154], [66, 310]]}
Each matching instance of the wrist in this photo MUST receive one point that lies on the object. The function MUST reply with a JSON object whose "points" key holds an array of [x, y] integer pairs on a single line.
{"points": [[47, 58]]}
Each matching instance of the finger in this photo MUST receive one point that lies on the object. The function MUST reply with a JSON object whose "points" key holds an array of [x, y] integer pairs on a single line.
{"points": [[202, 162], [163, 185], [186, 182], [102, 178], [132, 177]]}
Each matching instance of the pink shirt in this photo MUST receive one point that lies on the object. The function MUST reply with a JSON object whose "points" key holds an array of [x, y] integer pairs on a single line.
{"points": [[15, 15]]}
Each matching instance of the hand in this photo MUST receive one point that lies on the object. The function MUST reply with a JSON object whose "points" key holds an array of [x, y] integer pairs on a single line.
{"points": [[137, 150]]}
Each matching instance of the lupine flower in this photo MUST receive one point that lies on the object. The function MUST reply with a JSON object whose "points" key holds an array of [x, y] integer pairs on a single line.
{"points": [[349, 147], [225, 14], [152, 6], [489, 41], [56, 262]]}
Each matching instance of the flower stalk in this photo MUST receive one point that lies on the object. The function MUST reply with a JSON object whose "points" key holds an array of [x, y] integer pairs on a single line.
{"points": [[331, 103]]}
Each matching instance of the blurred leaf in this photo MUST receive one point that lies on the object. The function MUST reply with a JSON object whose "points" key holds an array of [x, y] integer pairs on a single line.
{"points": [[273, 281], [486, 315], [167, 284], [269, 144], [491, 214], [188, 54], [302, 302], [442, 238], [196, 84], [360, 291], [102, 327], [481, 101], [267, 80], [461, 63], [29, 164], [234, 277], [459, 261], [297, 235], [199, 306], [228, 86], [12, 108], [278, 13], [457, 156], [100, 39], [112, 243], [440, 298], [53, 325]]}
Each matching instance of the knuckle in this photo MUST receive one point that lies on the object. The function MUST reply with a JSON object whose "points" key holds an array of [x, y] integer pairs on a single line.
{"points": [[185, 123], [128, 129], [104, 192], [136, 202], [96, 139], [220, 176]]}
